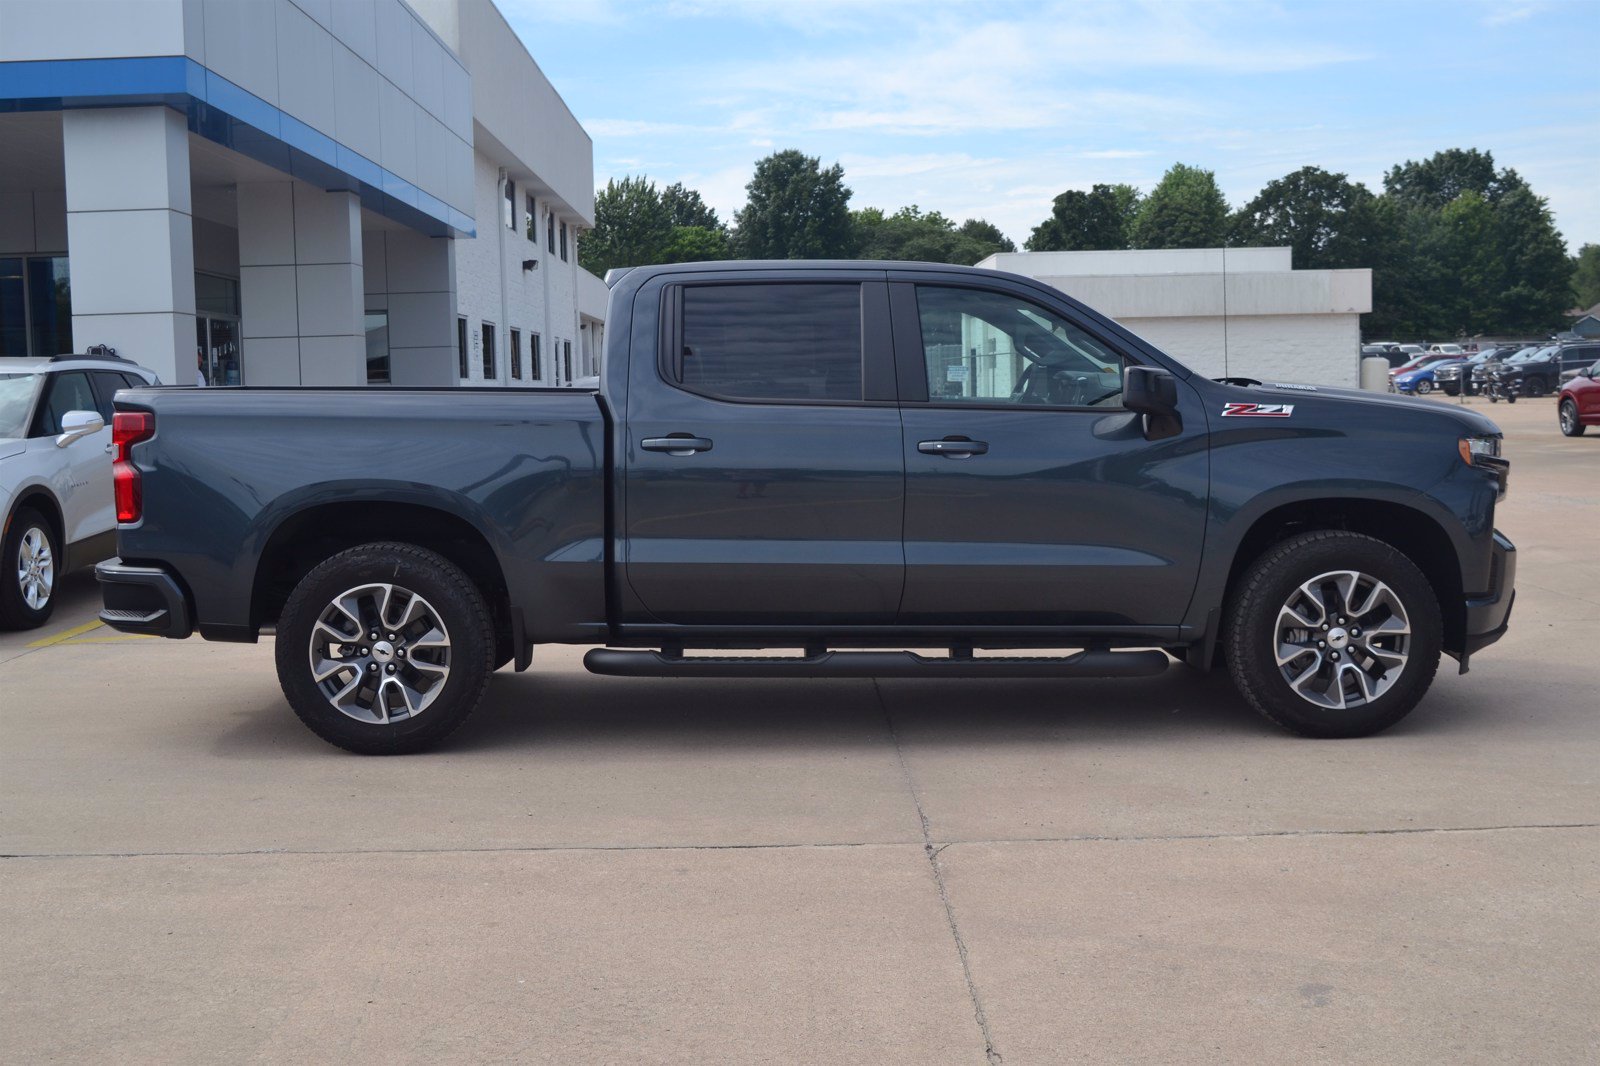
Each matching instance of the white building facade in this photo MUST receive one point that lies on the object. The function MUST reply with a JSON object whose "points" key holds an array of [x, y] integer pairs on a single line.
{"points": [[1243, 312], [291, 192]]}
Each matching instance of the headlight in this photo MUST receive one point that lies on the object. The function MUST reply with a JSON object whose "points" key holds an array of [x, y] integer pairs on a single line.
{"points": [[1474, 449]]}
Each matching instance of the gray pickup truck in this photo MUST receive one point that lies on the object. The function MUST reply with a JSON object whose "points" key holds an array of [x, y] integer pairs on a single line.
{"points": [[819, 459]]}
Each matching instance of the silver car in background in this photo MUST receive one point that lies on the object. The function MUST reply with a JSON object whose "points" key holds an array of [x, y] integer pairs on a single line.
{"points": [[57, 514]]}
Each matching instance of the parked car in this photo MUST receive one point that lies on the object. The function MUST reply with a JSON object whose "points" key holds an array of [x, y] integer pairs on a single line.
{"points": [[818, 456], [1391, 352], [1446, 349], [1416, 362], [55, 475], [1413, 349], [1422, 380], [1456, 378], [1578, 406], [1481, 373], [1538, 372]]}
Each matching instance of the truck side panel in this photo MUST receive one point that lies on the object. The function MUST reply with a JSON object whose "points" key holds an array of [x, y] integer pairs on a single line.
{"points": [[228, 468]]}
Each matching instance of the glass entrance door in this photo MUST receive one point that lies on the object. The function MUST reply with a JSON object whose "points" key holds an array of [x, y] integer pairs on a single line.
{"points": [[217, 344]]}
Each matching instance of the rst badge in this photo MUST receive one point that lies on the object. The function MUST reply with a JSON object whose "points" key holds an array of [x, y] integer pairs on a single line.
{"points": [[1257, 410]]}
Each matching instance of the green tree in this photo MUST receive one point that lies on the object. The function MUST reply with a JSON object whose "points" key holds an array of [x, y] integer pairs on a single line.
{"points": [[631, 227], [1534, 288], [1586, 276], [926, 237], [1328, 220], [1097, 220], [1436, 181], [696, 244], [686, 208], [796, 210], [988, 234], [1186, 209]]}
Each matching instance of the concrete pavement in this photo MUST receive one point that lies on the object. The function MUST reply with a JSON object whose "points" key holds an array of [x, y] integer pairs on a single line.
{"points": [[614, 870]]}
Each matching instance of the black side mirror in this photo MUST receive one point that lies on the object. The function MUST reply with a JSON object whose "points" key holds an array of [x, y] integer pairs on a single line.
{"points": [[1152, 392]]}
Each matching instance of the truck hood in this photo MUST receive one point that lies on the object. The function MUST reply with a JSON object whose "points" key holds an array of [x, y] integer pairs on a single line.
{"points": [[1472, 423], [10, 446]]}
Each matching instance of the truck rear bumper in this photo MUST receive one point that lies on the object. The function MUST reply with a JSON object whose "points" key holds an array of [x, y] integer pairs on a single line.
{"points": [[1489, 615], [143, 599]]}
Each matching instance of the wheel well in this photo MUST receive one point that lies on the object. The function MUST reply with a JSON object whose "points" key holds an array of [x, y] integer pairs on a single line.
{"points": [[1414, 534], [45, 504], [318, 533]]}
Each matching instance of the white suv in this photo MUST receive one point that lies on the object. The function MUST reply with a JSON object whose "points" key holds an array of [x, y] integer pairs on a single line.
{"points": [[56, 508]]}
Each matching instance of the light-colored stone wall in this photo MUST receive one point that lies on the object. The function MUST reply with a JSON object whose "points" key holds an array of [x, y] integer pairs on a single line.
{"points": [[1306, 349]]}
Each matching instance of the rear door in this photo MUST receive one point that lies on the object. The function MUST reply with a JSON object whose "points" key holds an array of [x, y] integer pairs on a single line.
{"points": [[1032, 495], [764, 482]]}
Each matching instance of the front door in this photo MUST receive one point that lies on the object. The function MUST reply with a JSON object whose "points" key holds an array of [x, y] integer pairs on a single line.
{"points": [[1032, 496], [764, 482]]}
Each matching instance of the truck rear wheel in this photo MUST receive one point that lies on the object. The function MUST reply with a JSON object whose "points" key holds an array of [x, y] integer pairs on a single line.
{"points": [[385, 649], [1334, 634]]}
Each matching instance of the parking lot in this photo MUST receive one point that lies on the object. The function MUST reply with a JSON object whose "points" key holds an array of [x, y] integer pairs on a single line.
{"points": [[614, 870]]}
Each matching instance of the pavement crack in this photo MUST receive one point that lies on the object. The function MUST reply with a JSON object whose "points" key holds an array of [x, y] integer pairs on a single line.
{"points": [[991, 1054]]}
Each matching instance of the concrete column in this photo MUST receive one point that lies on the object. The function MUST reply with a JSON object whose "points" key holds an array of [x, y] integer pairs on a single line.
{"points": [[414, 278], [300, 285], [130, 235]]}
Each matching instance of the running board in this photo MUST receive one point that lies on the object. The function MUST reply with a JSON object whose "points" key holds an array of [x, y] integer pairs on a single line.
{"points": [[621, 663]]}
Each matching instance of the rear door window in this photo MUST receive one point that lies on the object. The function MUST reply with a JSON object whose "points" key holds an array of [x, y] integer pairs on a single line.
{"points": [[778, 342]]}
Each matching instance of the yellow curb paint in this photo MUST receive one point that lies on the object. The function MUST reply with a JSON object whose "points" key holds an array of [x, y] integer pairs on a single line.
{"points": [[108, 640], [67, 634]]}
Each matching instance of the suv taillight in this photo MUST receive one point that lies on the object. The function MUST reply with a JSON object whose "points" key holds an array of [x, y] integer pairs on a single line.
{"points": [[127, 429]]}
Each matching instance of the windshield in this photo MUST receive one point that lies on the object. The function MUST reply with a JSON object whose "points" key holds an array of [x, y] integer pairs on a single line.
{"points": [[16, 400], [1527, 355]]}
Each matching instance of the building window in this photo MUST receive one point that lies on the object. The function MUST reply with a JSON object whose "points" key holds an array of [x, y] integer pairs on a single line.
{"points": [[35, 305], [508, 209], [516, 355], [461, 348], [532, 223], [566, 360], [534, 357], [563, 242], [550, 229], [377, 323], [489, 372]]}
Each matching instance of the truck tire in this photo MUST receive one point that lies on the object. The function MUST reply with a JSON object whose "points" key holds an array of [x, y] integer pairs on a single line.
{"points": [[1535, 388], [31, 568], [384, 649], [1333, 634], [1571, 424]]}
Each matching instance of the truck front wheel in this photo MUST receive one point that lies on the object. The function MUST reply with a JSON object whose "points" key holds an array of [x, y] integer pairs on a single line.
{"points": [[385, 649], [1333, 634]]}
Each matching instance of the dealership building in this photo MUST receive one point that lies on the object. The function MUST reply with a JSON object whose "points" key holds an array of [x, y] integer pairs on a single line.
{"points": [[292, 192], [1244, 312]]}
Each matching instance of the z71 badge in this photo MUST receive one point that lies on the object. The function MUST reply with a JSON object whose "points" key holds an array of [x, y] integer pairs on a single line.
{"points": [[1258, 410]]}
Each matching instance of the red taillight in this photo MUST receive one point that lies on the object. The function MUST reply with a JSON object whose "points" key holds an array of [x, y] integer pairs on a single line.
{"points": [[127, 429]]}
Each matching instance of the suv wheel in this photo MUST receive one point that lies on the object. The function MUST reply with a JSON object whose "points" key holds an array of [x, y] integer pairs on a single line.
{"points": [[1571, 424], [385, 649], [1535, 388], [1334, 634], [28, 581]]}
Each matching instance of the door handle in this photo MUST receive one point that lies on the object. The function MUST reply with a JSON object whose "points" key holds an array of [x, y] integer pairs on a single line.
{"points": [[954, 447], [676, 445]]}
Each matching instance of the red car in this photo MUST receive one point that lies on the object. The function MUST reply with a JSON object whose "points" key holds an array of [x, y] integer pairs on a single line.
{"points": [[1579, 404]]}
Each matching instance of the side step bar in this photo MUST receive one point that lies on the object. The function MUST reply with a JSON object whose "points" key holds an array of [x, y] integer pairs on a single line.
{"points": [[624, 663]]}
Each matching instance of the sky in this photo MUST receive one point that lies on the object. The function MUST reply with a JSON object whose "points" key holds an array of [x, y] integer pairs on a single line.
{"points": [[990, 109]]}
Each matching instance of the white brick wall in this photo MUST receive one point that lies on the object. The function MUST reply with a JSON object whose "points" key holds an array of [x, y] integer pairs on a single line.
{"points": [[479, 268], [1319, 349]]}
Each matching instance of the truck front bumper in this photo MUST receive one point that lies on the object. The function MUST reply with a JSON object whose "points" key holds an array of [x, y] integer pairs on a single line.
{"points": [[143, 599], [1489, 615]]}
